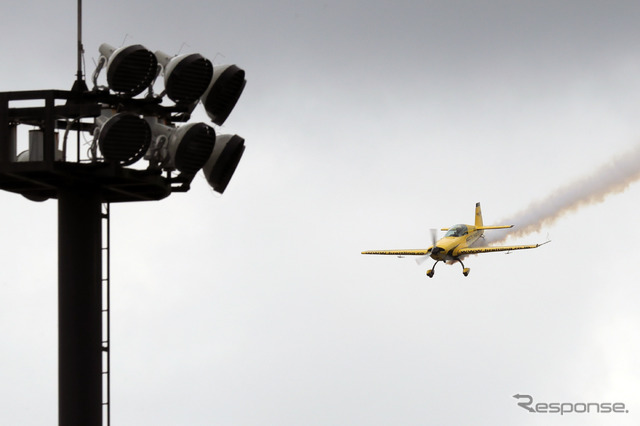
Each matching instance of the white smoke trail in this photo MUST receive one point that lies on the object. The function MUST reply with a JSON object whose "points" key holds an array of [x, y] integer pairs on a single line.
{"points": [[611, 178]]}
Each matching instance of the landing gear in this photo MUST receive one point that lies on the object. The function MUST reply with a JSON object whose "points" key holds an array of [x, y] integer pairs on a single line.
{"points": [[465, 271], [431, 271]]}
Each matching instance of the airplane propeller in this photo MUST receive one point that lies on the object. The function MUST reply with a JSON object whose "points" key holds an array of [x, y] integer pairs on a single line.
{"points": [[434, 239]]}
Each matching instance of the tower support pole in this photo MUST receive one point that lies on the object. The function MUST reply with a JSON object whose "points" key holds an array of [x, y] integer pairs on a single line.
{"points": [[79, 307]]}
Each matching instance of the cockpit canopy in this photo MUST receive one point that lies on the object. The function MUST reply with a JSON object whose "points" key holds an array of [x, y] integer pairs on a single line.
{"points": [[457, 231]]}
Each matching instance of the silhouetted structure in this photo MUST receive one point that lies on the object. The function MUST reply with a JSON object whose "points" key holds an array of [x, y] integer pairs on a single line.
{"points": [[123, 130]]}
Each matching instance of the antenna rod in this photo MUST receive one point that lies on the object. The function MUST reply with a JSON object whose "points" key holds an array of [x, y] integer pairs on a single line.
{"points": [[79, 86], [80, 49]]}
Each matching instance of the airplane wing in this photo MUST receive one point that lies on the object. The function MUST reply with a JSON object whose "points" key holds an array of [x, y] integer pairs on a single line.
{"points": [[476, 250], [407, 252]]}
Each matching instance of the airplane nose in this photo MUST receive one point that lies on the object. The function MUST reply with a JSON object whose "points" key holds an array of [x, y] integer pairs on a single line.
{"points": [[436, 251]]}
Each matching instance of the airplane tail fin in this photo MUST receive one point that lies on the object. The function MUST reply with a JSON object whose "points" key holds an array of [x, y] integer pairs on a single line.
{"points": [[478, 216], [480, 225]]}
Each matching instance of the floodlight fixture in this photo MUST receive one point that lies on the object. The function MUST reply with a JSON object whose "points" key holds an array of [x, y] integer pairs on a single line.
{"points": [[123, 138], [130, 69], [186, 148], [186, 77], [223, 92], [223, 161]]}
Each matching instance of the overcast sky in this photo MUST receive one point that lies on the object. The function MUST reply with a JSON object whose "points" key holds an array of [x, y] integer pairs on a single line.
{"points": [[366, 124]]}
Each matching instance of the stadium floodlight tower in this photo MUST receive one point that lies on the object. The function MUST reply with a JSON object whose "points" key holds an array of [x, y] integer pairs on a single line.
{"points": [[142, 148]]}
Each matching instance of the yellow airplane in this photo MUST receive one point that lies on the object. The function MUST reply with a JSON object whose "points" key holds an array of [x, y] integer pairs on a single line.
{"points": [[456, 244]]}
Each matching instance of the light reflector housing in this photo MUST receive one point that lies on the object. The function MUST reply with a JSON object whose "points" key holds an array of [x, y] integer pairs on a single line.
{"points": [[223, 92], [187, 147], [123, 138], [223, 161], [186, 77], [131, 69]]}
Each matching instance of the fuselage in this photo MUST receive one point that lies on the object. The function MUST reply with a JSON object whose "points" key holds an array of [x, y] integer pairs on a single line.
{"points": [[457, 237]]}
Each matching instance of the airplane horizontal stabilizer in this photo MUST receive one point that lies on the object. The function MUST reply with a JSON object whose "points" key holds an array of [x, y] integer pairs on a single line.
{"points": [[495, 227]]}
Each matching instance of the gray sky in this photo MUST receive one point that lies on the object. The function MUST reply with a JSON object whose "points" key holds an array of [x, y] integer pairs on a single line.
{"points": [[366, 124]]}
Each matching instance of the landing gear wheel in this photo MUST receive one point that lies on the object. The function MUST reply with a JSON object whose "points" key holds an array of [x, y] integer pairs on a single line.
{"points": [[431, 271]]}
